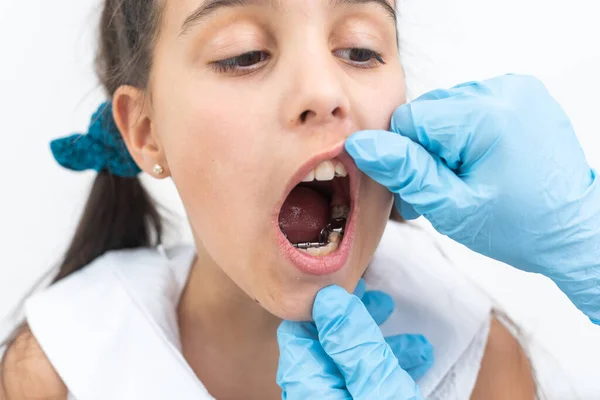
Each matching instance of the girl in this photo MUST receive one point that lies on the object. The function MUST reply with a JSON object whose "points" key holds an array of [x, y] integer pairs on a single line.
{"points": [[246, 106]]}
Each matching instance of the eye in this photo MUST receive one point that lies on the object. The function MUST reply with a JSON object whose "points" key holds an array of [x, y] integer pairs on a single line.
{"points": [[243, 63], [359, 57]]}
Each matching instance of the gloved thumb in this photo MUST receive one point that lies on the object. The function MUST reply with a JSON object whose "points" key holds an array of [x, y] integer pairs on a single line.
{"points": [[422, 182]]}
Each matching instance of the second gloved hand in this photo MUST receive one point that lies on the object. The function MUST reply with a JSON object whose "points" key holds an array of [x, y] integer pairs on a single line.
{"points": [[496, 166], [343, 355]]}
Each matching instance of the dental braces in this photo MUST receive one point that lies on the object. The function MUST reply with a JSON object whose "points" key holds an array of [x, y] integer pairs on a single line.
{"points": [[337, 225]]}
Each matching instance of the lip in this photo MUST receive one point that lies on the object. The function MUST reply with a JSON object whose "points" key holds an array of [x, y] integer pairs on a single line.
{"points": [[336, 260]]}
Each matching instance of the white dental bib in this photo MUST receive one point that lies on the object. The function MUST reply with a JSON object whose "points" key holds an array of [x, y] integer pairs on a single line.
{"points": [[110, 330]]}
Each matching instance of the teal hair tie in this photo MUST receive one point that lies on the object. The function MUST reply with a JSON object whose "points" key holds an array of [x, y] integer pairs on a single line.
{"points": [[101, 148]]}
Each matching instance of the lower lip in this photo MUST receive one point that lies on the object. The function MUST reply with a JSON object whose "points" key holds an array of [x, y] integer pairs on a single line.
{"points": [[324, 265]]}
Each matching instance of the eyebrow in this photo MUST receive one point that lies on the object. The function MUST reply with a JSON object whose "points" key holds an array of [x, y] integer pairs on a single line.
{"points": [[383, 3], [210, 6]]}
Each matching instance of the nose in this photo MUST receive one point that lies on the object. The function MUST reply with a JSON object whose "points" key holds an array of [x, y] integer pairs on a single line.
{"points": [[316, 94]]}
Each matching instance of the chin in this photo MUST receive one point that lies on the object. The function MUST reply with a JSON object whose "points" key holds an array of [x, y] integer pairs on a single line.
{"points": [[296, 303]]}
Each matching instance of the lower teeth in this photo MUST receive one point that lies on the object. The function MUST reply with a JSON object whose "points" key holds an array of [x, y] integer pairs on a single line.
{"points": [[321, 251]]}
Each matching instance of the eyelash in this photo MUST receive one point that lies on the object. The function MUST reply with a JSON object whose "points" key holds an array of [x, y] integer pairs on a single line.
{"points": [[231, 65], [374, 59]]}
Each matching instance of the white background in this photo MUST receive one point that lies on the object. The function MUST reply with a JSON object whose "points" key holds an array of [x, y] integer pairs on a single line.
{"points": [[48, 89]]}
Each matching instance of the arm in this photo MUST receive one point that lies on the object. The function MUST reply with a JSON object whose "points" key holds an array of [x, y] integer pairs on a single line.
{"points": [[27, 374]]}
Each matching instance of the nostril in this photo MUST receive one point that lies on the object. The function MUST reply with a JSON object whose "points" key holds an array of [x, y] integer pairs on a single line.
{"points": [[304, 116], [337, 112]]}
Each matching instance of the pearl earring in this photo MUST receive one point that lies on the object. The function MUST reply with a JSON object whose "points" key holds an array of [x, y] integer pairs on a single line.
{"points": [[158, 169]]}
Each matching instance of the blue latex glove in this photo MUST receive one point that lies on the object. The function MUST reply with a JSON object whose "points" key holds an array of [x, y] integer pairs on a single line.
{"points": [[496, 166], [343, 355]]}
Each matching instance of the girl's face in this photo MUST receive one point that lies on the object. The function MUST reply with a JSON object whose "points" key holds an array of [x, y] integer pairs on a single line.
{"points": [[249, 97]]}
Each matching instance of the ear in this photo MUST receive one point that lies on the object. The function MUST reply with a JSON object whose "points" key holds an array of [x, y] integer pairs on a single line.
{"points": [[132, 114]]}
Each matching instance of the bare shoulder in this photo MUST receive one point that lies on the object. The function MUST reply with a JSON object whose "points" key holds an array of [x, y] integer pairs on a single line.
{"points": [[26, 372], [505, 369]]}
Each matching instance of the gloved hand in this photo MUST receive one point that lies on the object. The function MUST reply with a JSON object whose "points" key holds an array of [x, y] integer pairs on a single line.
{"points": [[343, 355], [496, 166]]}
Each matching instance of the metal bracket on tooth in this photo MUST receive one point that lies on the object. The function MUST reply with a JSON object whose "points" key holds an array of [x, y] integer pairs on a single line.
{"points": [[337, 225], [309, 245]]}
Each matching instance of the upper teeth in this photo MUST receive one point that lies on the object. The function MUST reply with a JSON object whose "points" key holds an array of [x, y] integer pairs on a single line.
{"points": [[326, 171]]}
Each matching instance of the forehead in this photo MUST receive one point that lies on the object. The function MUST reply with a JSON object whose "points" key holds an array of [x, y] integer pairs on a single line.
{"points": [[183, 13]]}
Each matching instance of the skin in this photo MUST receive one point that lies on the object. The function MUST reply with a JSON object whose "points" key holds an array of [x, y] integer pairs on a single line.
{"points": [[231, 142], [505, 370]]}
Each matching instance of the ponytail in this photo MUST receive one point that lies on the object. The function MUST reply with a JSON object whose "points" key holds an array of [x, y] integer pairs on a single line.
{"points": [[119, 214]]}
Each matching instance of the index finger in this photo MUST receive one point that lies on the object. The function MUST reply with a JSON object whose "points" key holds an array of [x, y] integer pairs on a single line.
{"points": [[354, 342], [305, 370]]}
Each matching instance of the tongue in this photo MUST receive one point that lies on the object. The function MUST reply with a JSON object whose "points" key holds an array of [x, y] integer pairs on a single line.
{"points": [[303, 215]]}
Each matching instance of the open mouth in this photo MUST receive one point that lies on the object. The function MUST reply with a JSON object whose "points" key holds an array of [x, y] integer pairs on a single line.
{"points": [[315, 217]]}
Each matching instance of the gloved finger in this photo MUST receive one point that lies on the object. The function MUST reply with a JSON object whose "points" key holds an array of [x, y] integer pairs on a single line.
{"points": [[361, 288], [417, 372], [305, 371], [406, 210], [407, 169], [354, 342], [414, 353], [379, 305]]}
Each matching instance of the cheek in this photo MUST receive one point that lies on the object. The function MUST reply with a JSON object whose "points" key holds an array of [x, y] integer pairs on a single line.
{"points": [[377, 104], [214, 161], [376, 203], [375, 200], [211, 155]]}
